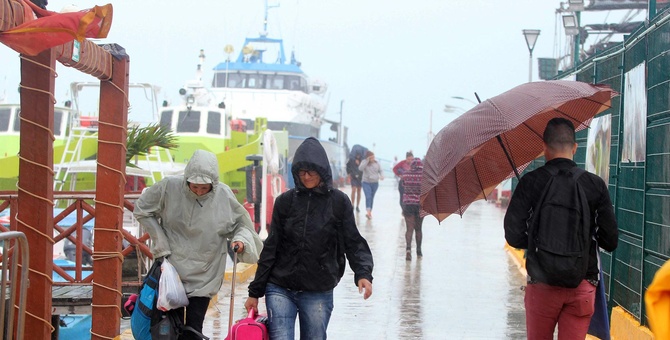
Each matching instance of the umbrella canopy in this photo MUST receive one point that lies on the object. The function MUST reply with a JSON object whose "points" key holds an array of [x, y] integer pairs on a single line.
{"points": [[358, 150], [498, 138]]}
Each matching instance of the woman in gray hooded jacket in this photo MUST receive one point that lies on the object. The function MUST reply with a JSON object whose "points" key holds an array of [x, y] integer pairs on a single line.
{"points": [[312, 228], [190, 218]]}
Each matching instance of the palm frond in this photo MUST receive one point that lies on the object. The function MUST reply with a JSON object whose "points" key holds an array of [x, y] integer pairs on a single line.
{"points": [[141, 139]]}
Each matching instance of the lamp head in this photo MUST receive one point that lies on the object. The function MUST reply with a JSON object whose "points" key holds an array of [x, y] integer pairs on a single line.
{"points": [[570, 24], [531, 38]]}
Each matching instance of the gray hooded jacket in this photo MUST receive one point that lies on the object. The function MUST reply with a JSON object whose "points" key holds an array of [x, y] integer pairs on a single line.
{"points": [[193, 229]]}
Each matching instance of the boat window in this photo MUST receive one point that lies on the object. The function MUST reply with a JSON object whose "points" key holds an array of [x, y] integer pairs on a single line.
{"points": [[275, 82], [304, 86], [235, 80], [189, 121], [295, 83], [255, 81], [4, 119], [166, 119], [214, 122], [219, 79], [58, 119], [17, 120], [294, 129]]}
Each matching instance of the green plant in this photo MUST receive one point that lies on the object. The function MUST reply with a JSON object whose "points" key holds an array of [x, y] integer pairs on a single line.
{"points": [[141, 139]]}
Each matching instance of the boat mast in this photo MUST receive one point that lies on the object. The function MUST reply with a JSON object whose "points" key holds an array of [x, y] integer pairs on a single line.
{"points": [[265, 20]]}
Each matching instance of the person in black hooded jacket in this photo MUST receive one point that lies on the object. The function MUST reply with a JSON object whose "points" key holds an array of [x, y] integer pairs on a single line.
{"points": [[312, 228]]}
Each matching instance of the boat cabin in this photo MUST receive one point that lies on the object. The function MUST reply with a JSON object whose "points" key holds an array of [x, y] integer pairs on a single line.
{"points": [[258, 80], [202, 121], [10, 120]]}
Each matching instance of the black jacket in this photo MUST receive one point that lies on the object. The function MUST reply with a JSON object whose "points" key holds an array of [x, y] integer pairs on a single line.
{"points": [[527, 194], [302, 251], [352, 169]]}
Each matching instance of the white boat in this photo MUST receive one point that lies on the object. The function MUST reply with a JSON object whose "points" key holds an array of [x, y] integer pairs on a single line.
{"points": [[262, 82]]}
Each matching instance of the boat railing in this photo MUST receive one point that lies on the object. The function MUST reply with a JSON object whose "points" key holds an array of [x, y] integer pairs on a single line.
{"points": [[13, 243], [73, 151]]}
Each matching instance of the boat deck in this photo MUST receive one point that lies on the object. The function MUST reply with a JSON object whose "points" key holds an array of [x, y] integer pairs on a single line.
{"points": [[71, 299]]}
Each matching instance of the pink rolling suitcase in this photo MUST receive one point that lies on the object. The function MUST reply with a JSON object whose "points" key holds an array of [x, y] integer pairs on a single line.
{"points": [[250, 328]]}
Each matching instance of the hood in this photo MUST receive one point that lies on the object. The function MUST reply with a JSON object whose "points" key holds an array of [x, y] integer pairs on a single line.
{"points": [[202, 168], [311, 155]]}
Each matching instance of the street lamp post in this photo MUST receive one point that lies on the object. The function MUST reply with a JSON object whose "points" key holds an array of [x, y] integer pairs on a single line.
{"points": [[571, 25], [531, 39], [339, 126], [431, 135], [466, 99]]}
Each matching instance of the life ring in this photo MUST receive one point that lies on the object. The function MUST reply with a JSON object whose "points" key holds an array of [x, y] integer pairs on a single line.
{"points": [[270, 152]]}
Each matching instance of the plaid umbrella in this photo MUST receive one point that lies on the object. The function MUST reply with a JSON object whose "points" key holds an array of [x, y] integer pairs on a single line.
{"points": [[498, 138]]}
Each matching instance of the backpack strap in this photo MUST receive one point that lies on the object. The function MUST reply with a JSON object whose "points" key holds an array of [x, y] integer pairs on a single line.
{"points": [[192, 330], [176, 320], [554, 170]]}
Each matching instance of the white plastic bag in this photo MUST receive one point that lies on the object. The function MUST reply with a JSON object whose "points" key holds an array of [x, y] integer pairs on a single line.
{"points": [[171, 293]]}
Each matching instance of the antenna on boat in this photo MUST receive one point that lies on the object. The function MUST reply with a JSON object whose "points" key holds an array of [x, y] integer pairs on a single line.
{"points": [[265, 21], [198, 72], [229, 50]]}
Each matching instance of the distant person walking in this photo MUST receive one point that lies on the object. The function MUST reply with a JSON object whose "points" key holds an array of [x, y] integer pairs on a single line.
{"points": [[400, 168], [355, 178], [411, 208], [550, 299], [372, 174]]}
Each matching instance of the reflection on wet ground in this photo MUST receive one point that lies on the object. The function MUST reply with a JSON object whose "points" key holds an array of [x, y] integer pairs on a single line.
{"points": [[464, 287]]}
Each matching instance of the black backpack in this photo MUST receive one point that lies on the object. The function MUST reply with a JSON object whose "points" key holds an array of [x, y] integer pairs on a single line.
{"points": [[559, 231]]}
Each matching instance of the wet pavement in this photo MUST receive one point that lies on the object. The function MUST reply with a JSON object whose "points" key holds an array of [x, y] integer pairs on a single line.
{"points": [[466, 286]]}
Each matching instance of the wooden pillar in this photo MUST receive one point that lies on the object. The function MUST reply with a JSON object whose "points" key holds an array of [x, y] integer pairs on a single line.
{"points": [[109, 184], [35, 187]]}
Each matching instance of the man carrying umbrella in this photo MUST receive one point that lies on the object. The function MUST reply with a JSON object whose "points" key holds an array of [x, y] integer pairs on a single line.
{"points": [[548, 304]]}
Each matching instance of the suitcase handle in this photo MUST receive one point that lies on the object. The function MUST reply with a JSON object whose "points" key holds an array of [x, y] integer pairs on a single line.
{"points": [[232, 290]]}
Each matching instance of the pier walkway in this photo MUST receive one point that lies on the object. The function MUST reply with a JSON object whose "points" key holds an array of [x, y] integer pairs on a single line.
{"points": [[466, 286]]}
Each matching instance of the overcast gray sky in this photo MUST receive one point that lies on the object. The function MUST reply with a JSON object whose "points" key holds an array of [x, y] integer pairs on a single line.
{"points": [[391, 62]]}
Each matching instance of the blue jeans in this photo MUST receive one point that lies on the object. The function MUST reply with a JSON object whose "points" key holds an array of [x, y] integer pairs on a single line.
{"points": [[313, 308], [370, 189]]}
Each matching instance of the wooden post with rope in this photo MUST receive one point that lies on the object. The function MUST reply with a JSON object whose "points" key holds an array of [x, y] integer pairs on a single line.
{"points": [[35, 214], [110, 181], [35, 186], [35, 192]]}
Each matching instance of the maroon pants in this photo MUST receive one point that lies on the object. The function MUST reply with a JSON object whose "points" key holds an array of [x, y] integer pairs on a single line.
{"points": [[570, 308]]}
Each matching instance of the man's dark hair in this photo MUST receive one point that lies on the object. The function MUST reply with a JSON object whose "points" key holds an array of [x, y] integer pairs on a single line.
{"points": [[559, 133], [41, 3], [409, 154]]}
